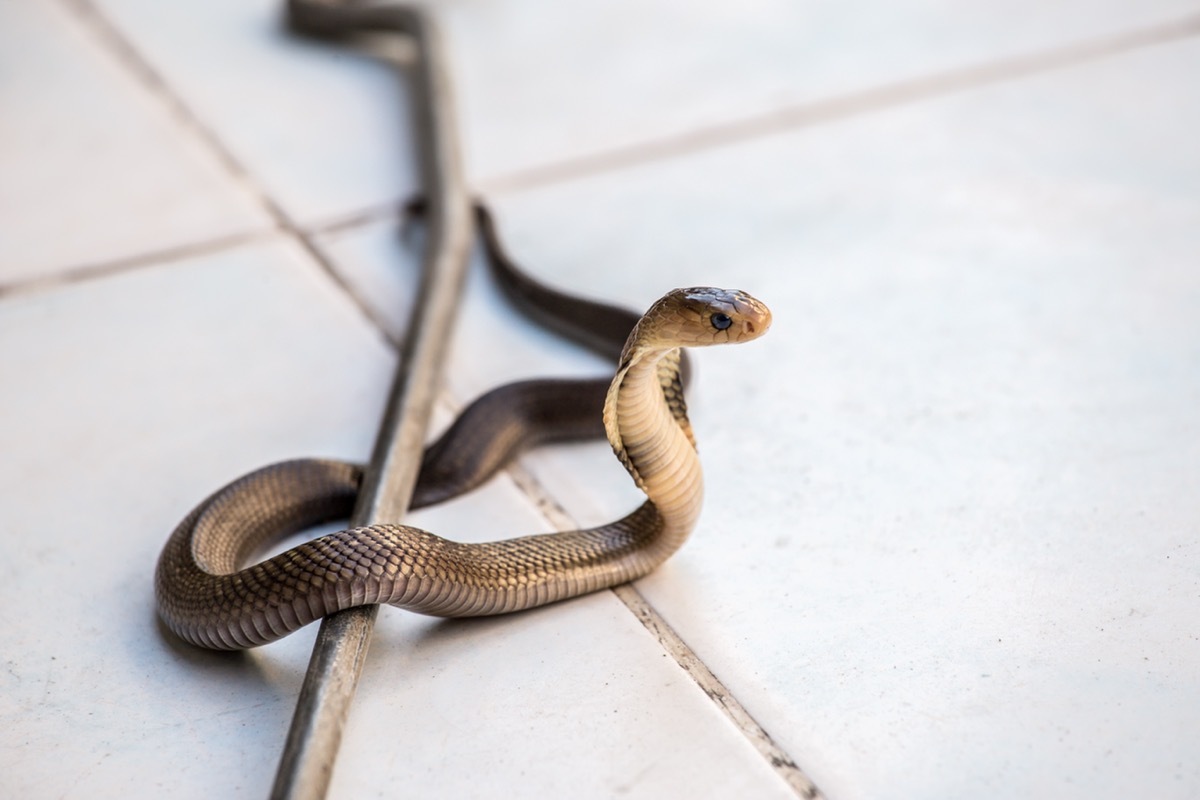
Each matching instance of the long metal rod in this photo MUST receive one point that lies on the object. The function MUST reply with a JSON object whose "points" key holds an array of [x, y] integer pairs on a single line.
{"points": [[306, 765]]}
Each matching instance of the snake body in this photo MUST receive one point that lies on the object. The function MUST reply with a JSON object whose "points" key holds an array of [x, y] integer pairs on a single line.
{"points": [[208, 598]]}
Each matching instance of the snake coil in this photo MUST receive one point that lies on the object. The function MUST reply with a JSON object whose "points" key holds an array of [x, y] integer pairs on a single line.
{"points": [[208, 598]]}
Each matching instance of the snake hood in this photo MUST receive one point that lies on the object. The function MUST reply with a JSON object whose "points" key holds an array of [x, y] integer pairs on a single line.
{"points": [[645, 415]]}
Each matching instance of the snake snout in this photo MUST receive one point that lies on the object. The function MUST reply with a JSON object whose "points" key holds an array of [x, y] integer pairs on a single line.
{"points": [[754, 316]]}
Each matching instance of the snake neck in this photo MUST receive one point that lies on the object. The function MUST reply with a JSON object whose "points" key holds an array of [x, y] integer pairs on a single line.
{"points": [[646, 422]]}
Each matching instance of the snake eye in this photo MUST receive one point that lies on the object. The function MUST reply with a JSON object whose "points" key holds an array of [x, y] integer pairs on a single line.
{"points": [[720, 321]]}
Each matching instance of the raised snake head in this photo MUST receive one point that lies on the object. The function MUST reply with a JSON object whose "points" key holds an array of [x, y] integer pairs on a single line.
{"points": [[699, 316]]}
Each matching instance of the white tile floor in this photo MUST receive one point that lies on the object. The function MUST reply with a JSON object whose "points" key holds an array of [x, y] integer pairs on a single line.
{"points": [[951, 543]]}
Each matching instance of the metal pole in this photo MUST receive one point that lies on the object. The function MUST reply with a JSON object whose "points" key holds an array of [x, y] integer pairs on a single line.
{"points": [[306, 765]]}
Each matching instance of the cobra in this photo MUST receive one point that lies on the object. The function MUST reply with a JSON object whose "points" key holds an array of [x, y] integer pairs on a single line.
{"points": [[209, 599]]}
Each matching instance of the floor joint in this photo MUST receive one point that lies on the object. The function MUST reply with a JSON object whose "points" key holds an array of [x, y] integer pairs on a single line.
{"points": [[157, 85], [842, 106], [687, 659]]}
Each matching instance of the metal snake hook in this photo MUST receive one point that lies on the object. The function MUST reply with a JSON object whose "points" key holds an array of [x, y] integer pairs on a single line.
{"points": [[307, 761]]}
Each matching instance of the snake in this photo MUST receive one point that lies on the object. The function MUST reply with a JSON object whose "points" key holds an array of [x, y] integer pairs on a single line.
{"points": [[208, 596]]}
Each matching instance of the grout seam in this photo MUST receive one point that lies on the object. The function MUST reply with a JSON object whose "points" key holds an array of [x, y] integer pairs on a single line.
{"points": [[154, 82], [362, 217], [843, 106], [82, 273], [783, 764], [142, 71], [674, 645]]}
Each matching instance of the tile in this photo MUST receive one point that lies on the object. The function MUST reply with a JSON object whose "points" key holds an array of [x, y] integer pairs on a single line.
{"points": [[380, 263], [326, 134], [322, 130], [127, 400], [95, 167], [949, 539], [544, 82], [575, 699]]}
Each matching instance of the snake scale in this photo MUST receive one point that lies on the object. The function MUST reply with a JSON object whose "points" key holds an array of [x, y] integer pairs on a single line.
{"points": [[207, 597]]}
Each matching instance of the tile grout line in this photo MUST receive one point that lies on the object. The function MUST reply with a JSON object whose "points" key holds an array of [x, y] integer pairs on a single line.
{"points": [[831, 109], [783, 764], [156, 84], [674, 645], [838, 107], [367, 215], [81, 273]]}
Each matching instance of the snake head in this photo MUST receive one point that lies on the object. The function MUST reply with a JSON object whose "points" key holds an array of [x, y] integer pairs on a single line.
{"points": [[703, 315]]}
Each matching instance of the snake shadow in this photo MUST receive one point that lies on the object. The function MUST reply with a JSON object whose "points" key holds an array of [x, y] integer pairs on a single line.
{"points": [[269, 670], [432, 635]]}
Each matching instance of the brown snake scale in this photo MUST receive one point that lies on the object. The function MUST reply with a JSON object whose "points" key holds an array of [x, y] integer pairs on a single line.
{"points": [[208, 598]]}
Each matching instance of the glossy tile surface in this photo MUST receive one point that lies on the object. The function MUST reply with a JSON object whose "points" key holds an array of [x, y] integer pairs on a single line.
{"points": [[547, 82], [95, 168], [320, 129], [949, 546], [541, 82], [949, 529], [127, 400]]}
